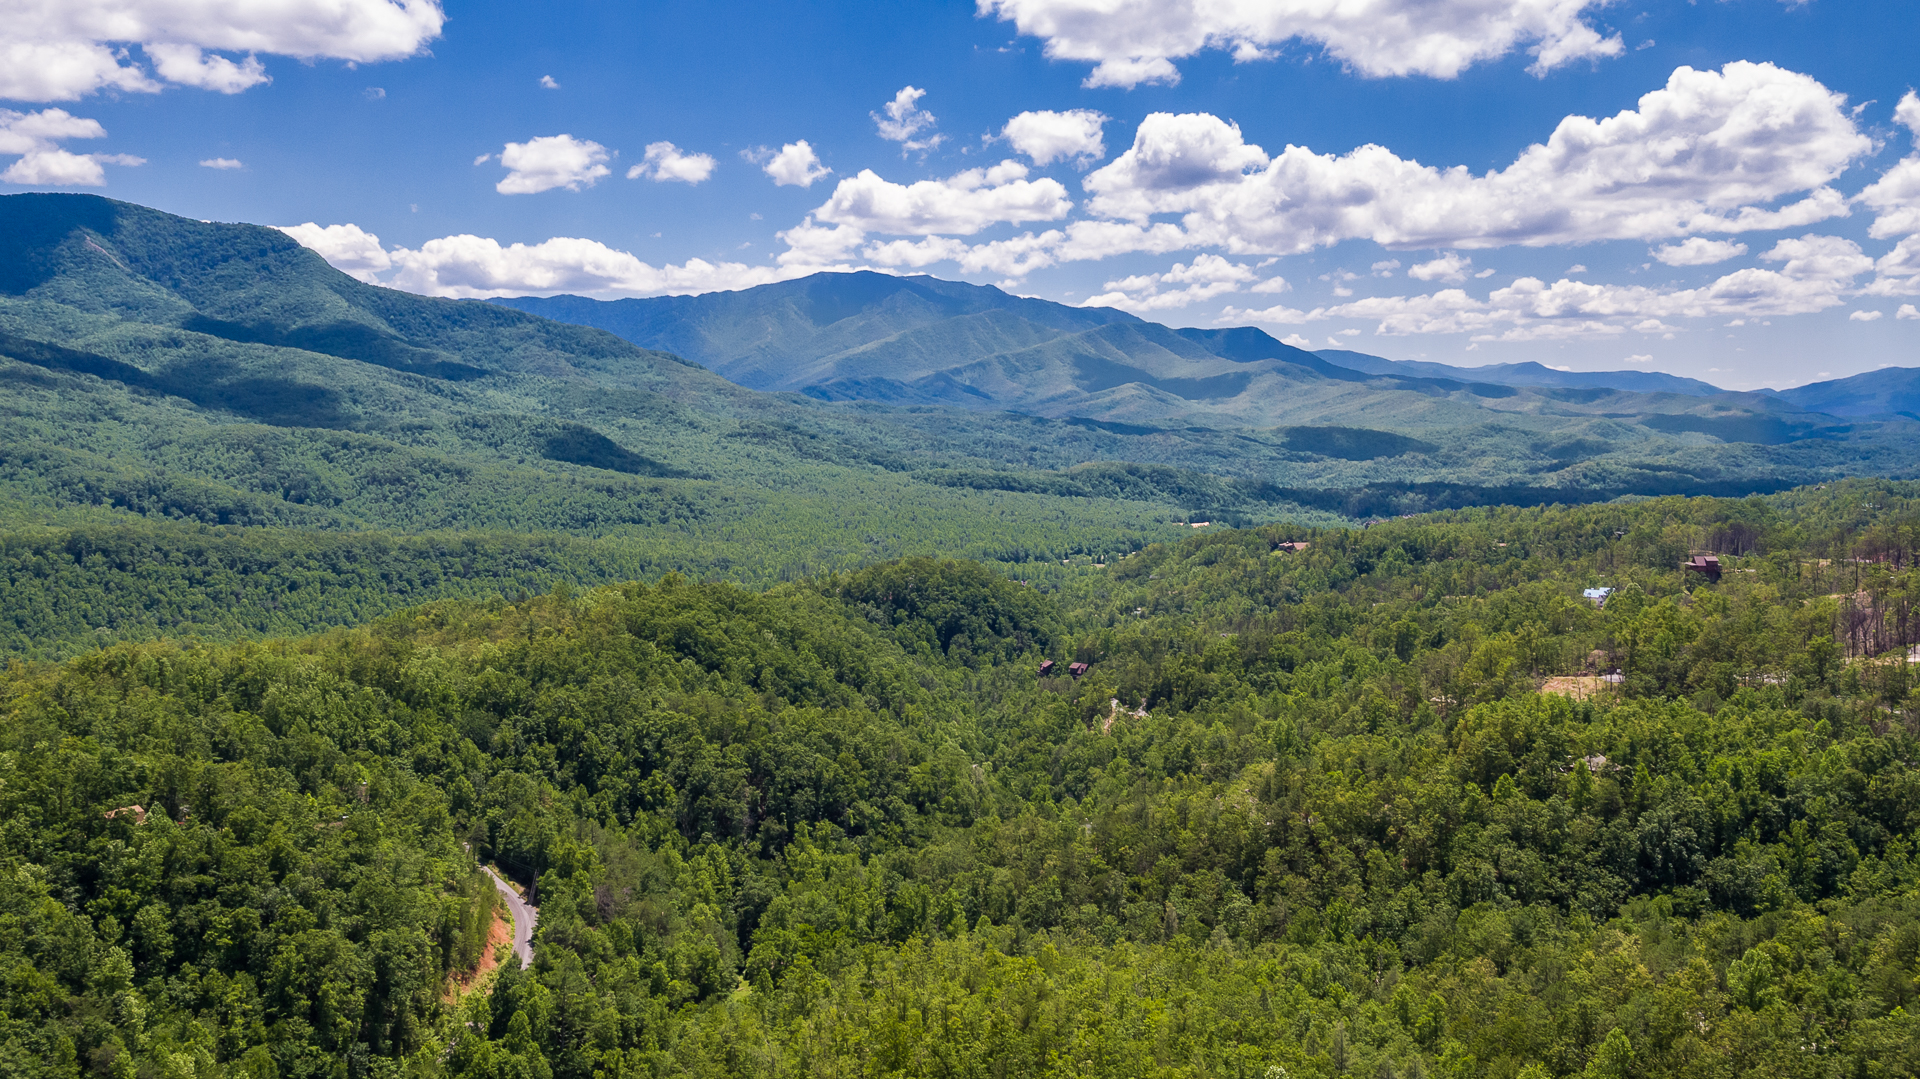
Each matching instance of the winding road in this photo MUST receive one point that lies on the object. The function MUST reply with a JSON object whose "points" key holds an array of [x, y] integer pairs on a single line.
{"points": [[523, 918]]}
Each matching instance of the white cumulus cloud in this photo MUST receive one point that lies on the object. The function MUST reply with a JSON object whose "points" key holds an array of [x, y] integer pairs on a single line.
{"points": [[1706, 153], [550, 161], [1895, 200], [1865, 316], [477, 267], [904, 120], [796, 165], [1136, 41], [474, 267], [665, 161], [1451, 266], [59, 51], [1698, 251], [1907, 311], [1817, 274], [36, 136], [1206, 277], [222, 163], [348, 248], [25, 132], [962, 204], [1047, 136]]}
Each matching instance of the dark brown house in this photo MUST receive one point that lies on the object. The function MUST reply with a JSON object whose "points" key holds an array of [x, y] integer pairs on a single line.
{"points": [[1077, 669], [1046, 667], [1704, 564]]}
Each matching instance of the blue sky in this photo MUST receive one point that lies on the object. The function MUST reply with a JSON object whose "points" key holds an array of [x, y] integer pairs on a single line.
{"points": [[1744, 207]]}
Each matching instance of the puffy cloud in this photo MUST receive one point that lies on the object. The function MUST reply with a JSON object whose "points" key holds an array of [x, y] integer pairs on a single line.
{"points": [[1866, 316], [916, 252], [1819, 258], [221, 163], [811, 245], [1704, 154], [1047, 136], [25, 132], [1175, 163], [547, 82], [1895, 200], [1136, 41], [1817, 274], [61, 51], [348, 248], [1451, 266], [1297, 341], [1907, 311], [962, 204], [1907, 113], [1898, 270], [550, 161], [796, 165], [904, 119], [1698, 251], [58, 168], [1206, 277], [665, 161], [36, 136], [474, 267], [188, 65], [1895, 196]]}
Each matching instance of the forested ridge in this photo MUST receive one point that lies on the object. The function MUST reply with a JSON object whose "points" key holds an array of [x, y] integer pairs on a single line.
{"points": [[1308, 814]]}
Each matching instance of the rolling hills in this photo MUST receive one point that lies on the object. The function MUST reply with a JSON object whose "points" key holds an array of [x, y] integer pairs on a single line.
{"points": [[163, 377], [922, 341]]}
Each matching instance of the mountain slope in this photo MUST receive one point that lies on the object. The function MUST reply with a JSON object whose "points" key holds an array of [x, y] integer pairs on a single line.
{"points": [[157, 367], [1524, 374], [918, 341], [788, 335], [1890, 391]]}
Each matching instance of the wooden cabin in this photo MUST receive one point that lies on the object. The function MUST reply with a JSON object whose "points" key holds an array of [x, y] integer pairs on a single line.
{"points": [[1706, 565]]}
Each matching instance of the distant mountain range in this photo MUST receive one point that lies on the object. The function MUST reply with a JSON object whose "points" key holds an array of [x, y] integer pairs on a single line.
{"points": [[1891, 391], [1525, 374], [921, 340], [163, 367]]}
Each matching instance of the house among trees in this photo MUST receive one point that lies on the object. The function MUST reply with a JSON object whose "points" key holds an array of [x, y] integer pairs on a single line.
{"points": [[1297, 546], [1704, 564], [1077, 669], [1597, 596], [1046, 667]]}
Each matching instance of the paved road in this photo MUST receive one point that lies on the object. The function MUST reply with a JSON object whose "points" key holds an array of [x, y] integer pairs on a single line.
{"points": [[523, 918]]}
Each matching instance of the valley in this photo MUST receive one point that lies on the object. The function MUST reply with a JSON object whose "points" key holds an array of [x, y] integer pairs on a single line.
{"points": [[878, 675]]}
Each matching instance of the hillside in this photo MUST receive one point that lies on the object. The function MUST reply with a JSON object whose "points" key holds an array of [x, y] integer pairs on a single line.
{"points": [[1525, 374], [1890, 391], [1308, 813], [921, 341], [160, 377]]}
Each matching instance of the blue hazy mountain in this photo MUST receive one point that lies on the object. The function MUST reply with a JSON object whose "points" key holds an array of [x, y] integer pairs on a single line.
{"points": [[1524, 374], [1890, 391]]}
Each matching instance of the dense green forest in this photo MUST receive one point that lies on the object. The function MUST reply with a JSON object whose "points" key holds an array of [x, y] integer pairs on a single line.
{"points": [[1307, 814], [155, 368]]}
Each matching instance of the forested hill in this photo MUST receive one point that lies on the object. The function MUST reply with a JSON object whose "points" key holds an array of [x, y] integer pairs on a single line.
{"points": [[158, 368], [1308, 814]]}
